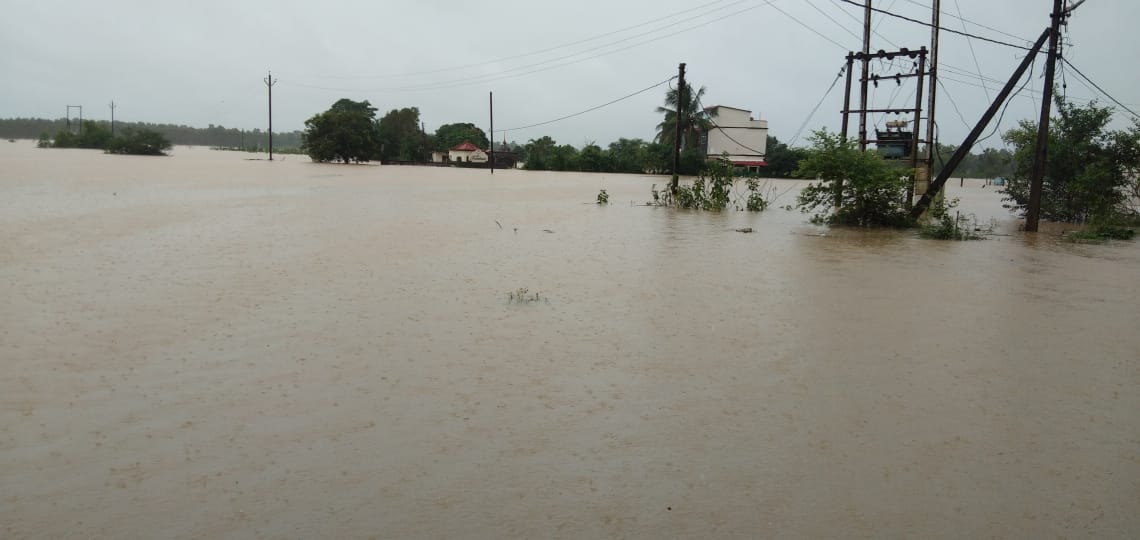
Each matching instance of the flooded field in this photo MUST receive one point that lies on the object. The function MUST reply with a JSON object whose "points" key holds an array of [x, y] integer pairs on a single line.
{"points": [[204, 346]]}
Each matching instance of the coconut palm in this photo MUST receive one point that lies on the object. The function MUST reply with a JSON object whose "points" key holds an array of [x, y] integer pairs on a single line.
{"points": [[693, 119]]}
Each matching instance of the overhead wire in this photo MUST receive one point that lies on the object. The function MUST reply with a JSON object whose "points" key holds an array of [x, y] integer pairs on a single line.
{"points": [[931, 25], [540, 51], [481, 79], [591, 109], [1101, 90], [815, 109], [970, 42]]}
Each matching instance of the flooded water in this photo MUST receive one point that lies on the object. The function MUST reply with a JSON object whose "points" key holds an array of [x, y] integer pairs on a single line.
{"points": [[204, 346]]}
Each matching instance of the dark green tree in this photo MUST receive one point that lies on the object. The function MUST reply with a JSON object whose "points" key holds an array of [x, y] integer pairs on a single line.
{"points": [[1090, 172], [449, 135], [540, 154], [782, 159], [401, 138], [143, 142], [346, 132], [694, 120], [565, 159], [862, 188], [629, 156]]}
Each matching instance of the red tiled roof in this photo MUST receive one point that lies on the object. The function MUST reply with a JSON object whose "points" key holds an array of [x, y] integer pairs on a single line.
{"points": [[750, 163], [466, 146]]}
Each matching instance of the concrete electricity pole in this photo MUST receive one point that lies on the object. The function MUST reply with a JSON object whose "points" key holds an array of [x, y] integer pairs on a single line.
{"points": [[864, 79], [677, 119], [112, 118], [1033, 211], [269, 82]]}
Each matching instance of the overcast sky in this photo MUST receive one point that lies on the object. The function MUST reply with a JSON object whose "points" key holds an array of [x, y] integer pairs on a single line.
{"points": [[201, 62]]}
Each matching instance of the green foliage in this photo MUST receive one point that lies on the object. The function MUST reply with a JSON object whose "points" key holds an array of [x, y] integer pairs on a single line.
{"points": [[862, 189], [143, 142], [44, 140], [401, 137], [713, 190], [693, 119], [782, 160], [212, 136], [1090, 170], [603, 197], [991, 163], [1098, 234], [943, 226], [346, 132], [450, 135], [540, 154]]}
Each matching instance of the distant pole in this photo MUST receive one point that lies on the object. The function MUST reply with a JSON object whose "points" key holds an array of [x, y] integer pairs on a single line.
{"points": [[1033, 211], [677, 120], [68, 117], [112, 118], [847, 96], [866, 73], [269, 82], [491, 150]]}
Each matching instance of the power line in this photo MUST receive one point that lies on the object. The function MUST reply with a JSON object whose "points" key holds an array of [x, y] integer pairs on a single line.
{"points": [[941, 28], [541, 51], [1101, 90], [818, 105], [813, 30], [830, 18], [591, 109], [480, 79], [970, 42], [975, 23]]}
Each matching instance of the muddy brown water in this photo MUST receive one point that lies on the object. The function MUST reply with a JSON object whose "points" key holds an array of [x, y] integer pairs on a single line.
{"points": [[203, 346]]}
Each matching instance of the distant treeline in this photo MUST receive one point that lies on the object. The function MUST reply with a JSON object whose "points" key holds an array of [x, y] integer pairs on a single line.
{"points": [[215, 136]]}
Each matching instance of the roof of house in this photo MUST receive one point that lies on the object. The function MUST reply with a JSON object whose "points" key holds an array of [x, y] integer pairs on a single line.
{"points": [[465, 146], [726, 107], [750, 163]]}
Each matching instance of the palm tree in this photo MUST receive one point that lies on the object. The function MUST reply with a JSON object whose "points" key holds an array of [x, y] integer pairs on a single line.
{"points": [[693, 118]]}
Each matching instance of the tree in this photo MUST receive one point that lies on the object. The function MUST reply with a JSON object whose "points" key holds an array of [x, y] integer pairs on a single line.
{"points": [[143, 142], [782, 160], [346, 132], [540, 154], [863, 188], [628, 156], [401, 138], [694, 121], [449, 135], [1090, 170]]}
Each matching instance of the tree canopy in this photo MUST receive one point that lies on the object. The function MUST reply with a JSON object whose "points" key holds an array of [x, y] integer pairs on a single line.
{"points": [[863, 189], [449, 135], [401, 138], [346, 132], [1090, 172], [694, 121]]}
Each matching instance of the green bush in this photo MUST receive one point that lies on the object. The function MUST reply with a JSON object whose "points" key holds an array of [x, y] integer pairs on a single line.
{"points": [[862, 189], [143, 142]]}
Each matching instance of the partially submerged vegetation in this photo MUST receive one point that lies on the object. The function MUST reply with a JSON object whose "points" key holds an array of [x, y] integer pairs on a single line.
{"points": [[93, 135], [715, 190], [853, 187]]}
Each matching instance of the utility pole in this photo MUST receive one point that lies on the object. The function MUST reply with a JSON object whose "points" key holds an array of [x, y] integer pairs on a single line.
{"points": [[677, 120], [964, 149], [112, 118], [269, 82], [491, 150], [1033, 212], [866, 73], [932, 69]]}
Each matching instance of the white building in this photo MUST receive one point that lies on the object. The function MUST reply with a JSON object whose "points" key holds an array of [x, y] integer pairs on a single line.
{"points": [[466, 153], [735, 132]]}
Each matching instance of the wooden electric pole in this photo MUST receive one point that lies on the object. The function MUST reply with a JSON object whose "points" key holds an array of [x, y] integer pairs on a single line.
{"points": [[112, 118], [1033, 211], [677, 119], [269, 82]]}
